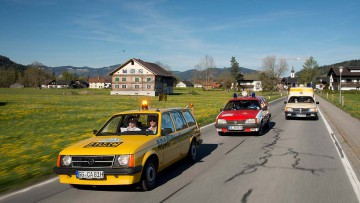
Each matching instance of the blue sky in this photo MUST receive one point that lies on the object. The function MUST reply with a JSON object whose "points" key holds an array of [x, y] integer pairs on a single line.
{"points": [[178, 33]]}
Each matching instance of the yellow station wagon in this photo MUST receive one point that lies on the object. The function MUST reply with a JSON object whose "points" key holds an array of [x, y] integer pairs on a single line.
{"points": [[131, 148]]}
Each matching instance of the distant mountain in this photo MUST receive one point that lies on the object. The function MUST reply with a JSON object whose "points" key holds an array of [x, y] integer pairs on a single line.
{"points": [[93, 72], [323, 70], [83, 71], [189, 74], [6, 63]]}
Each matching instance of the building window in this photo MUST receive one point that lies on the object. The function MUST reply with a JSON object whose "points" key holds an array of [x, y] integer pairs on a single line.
{"points": [[137, 86], [148, 79], [148, 86], [123, 86], [140, 70], [137, 79], [116, 79], [124, 70], [123, 79], [116, 86], [132, 71]]}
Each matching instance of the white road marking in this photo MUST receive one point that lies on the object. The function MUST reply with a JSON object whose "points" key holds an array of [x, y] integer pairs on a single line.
{"points": [[29, 188], [344, 160]]}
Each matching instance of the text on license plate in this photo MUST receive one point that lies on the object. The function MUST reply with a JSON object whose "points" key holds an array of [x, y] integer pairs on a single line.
{"points": [[235, 127], [301, 115], [90, 174]]}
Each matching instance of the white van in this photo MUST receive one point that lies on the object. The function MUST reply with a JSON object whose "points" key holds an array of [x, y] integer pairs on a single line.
{"points": [[301, 103]]}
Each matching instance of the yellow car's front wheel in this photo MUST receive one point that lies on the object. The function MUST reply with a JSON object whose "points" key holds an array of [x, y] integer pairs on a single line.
{"points": [[149, 176]]}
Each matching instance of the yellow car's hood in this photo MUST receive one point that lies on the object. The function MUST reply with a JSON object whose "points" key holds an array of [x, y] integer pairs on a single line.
{"points": [[109, 145]]}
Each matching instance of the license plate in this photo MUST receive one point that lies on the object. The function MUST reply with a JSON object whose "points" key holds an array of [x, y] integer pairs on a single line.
{"points": [[90, 174], [235, 127], [301, 115]]}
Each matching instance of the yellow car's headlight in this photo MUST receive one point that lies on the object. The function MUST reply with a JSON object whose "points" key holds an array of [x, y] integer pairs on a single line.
{"points": [[66, 160], [123, 160]]}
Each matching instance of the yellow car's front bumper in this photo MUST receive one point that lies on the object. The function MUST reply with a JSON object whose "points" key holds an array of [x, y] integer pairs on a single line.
{"points": [[109, 180], [112, 176]]}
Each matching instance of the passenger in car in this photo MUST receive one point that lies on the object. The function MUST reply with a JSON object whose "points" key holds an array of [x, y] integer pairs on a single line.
{"points": [[153, 125]]}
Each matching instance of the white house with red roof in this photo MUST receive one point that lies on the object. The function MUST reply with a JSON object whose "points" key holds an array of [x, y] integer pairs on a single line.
{"points": [[137, 77]]}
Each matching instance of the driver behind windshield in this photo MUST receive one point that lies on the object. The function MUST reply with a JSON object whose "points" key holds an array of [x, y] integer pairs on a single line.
{"points": [[132, 125]]}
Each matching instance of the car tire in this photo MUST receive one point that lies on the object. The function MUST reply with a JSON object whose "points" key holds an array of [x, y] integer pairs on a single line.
{"points": [[286, 118], [268, 125], [221, 133], [261, 130], [192, 153], [149, 176]]}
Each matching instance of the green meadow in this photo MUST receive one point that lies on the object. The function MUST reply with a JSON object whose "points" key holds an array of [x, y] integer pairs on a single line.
{"points": [[350, 103], [36, 124]]}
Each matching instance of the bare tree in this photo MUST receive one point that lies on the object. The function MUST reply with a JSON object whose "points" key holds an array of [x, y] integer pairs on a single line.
{"points": [[35, 75], [272, 72], [205, 69]]}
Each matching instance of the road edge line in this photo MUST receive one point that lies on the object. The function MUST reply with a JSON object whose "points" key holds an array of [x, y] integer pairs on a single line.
{"points": [[344, 160], [29, 188]]}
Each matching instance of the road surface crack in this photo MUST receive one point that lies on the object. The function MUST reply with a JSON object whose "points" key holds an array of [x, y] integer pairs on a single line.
{"points": [[268, 149]]}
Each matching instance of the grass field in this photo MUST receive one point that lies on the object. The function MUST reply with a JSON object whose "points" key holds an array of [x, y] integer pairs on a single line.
{"points": [[351, 102], [36, 124]]}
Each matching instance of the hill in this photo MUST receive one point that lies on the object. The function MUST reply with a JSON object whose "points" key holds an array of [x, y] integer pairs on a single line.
{"points": [[189, 74], [6, 64], [93, 72], [323, 70]]}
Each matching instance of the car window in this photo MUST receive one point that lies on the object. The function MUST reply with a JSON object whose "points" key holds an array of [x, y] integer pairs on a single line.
{"points": [[120, 124], [253, 105], [189, 118], [112, 126], [167, 125], [242, 105], [302, 99], [179, 120]]}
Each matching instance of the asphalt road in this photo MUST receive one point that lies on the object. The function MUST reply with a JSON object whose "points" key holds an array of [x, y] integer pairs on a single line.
{"points": [[294, 161]]}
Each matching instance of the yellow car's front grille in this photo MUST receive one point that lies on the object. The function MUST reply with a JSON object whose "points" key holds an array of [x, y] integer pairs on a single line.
{"points": [[92, 161]]}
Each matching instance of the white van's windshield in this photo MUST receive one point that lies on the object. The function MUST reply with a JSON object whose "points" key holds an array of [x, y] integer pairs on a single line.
{"points": [[301, 99]]}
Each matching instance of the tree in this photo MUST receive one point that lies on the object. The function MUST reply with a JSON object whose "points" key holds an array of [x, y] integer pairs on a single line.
{"points": [[35, 75], [205, 70], [235, 69], [309, 71], [67, 76], [226, 78], [7, 77], [272, 72]]}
